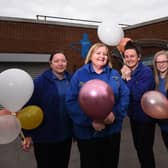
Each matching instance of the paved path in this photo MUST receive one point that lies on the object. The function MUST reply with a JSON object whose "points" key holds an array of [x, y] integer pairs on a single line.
{"points": [[11, 155]]}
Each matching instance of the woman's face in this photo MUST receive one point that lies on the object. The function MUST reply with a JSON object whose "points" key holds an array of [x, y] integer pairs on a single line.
{"points": [[162, 63], [131, 58], [99, 57], [58, 63]]}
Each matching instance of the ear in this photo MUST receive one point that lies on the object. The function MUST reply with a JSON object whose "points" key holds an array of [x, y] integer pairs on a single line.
{"points": [[50, 62], [139, 57]]}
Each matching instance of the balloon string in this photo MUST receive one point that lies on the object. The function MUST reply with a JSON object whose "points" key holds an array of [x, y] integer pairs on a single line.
{"points": [[22, 137]]}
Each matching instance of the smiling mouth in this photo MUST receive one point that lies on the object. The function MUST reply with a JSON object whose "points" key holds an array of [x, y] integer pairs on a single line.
{"points": [[101, 60]]}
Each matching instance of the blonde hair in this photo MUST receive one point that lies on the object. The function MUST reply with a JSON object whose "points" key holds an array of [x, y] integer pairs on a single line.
{"points": [[93, 49], [156, 73]]}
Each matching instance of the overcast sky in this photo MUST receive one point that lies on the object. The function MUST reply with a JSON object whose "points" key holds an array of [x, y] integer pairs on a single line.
{"points": [[121, 11]]}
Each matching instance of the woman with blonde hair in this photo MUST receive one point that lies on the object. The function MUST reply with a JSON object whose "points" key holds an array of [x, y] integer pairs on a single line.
{"points": [[160, 65], [100, 149]]}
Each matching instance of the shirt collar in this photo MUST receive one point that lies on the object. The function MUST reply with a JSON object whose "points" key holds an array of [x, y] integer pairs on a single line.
{"points": [[56, 78], [93, 71]]}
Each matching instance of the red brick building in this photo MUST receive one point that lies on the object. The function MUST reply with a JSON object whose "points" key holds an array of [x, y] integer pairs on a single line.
{"points": [[27, 43]]}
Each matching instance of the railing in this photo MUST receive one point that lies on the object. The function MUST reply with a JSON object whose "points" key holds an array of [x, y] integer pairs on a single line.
{"points": [[44, 17], [47, 18]]}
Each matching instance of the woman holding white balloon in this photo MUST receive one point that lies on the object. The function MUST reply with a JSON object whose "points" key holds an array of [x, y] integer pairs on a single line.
{"points": [[160, 65], [53, 138]]}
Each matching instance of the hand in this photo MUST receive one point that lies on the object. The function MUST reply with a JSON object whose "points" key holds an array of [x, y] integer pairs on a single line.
{"points": [[27, 143], [110, 118], [126, 73], [98, 125]]}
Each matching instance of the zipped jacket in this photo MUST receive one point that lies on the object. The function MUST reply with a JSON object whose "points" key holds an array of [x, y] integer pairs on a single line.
{"points": [[142, 80], [56, 125], [82, 124]]}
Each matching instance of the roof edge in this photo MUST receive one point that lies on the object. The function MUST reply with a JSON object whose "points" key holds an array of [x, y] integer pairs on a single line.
{"points": [[61, 23], [147, 23]]}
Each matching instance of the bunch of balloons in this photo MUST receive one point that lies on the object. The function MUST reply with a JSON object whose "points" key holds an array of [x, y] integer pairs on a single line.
{"points": [[96, 99], [155, 104], [16, 88]]}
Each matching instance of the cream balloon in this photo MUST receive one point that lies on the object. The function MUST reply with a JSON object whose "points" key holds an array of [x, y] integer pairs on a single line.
{"points": [[110, 33], [9, 128], [16, 88]]}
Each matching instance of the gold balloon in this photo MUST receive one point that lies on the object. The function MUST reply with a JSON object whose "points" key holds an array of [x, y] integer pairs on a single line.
{"points": [[30, 117]]}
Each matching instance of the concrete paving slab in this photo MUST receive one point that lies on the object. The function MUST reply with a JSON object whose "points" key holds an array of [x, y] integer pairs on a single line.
{"points": [[12, 156]]}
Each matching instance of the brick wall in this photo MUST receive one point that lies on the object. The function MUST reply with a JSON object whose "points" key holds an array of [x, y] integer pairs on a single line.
{"points": [[21, 37], [33, 37]]}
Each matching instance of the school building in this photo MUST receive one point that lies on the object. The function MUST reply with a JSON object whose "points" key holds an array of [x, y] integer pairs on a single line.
{"points": [[27, 43]]}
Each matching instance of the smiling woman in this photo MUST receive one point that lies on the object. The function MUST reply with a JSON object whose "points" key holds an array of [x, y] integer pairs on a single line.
{"points": [[160, 64], [139, 79], [52, 139], [98, 136]]}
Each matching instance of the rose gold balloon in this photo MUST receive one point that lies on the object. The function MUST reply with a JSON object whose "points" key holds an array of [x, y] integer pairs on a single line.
{"points": [[122, 43], [155, 104], [9, 128], [96, 98], [5, 112]]}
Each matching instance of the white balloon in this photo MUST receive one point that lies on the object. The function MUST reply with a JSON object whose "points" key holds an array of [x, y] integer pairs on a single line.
{"points": [[10, 128], [16, 88], [110, 33]]}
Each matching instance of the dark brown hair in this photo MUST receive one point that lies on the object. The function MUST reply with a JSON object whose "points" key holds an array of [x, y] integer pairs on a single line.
{"points": [[134, 46], [57, 52]]}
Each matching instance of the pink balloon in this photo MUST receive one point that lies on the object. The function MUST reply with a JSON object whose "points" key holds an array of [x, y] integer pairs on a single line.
{"points": [[5, 112], [96, 98], [155, 104], [9, 128]]}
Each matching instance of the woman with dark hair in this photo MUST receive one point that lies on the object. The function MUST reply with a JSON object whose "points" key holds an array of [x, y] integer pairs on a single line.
{"points": [[160, 65], [139, 79], [52, 139]]}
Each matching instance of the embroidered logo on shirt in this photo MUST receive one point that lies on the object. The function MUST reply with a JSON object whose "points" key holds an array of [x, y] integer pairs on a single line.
{"points": [[81, 84], [115, 78]]}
